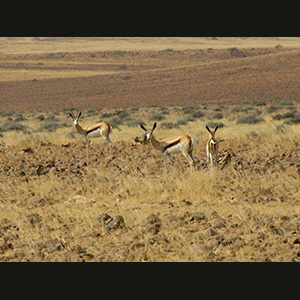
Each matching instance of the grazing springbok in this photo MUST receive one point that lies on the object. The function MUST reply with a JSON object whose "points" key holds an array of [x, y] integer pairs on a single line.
{"points": [[212, 147], [182, 143], [93, 131]]}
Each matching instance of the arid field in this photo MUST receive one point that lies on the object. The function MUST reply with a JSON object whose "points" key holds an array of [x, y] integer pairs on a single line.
{"points": [[57, 204]]}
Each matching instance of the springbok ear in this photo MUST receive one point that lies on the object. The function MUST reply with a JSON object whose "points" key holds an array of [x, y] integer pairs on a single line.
{"points": [[71, 115], [79, 115], [154, 126], [216, 129], [143, 127], [208, 129]]}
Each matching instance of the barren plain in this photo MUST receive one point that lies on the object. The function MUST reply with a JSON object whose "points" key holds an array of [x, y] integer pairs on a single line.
{"points": [[58, 205]]}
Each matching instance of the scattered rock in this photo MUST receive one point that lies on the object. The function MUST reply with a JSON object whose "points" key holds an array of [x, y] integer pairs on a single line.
{"points": [[234, 52], [296, 241], [55, 247], [159, 239], [198, 217], [111, 223], [28, 150], [41, 170], [34, 219], [115, 223], [153, 224]]}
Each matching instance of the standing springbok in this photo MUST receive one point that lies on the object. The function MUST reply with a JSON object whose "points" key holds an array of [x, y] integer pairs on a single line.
{"points": [[212, 147], [182, 143], [93, 131]]}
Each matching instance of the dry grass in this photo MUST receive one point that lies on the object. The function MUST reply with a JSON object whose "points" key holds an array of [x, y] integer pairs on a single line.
{"points": [[58, 205], [248, 211], [30, 45]]}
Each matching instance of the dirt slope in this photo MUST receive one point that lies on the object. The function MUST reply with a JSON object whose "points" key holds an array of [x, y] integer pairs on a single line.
{"points": [[112, 79]]}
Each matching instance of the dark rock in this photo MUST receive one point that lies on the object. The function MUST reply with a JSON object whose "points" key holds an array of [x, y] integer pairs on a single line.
{"points": [[28, 150], [34, 219], [104, 219], [79, 249], [41, 170], [54, 247], [296, 241], [198, 216], [115, 223], [218, 224], [159, 239], [153, 224]]}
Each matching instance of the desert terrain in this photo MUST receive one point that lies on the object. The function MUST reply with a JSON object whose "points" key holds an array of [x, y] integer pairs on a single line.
{"points": [[57, 204]]}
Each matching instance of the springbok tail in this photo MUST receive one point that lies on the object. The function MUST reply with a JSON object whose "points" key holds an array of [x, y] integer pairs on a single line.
{"points": [[192, 144]]}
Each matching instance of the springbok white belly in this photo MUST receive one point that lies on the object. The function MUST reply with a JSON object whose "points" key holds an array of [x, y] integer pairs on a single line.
{"points": [[95, 134], [174, 149]]}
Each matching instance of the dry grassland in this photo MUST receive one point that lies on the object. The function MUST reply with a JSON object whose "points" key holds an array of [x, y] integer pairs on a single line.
{"points": [[58, 205]]}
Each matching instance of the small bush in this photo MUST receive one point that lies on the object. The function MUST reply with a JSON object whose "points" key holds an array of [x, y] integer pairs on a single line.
{"points": [[92, 112], [107, 115], [10, 126], [218, 116], [184, 121], [259, 103], [215, 124], [122, 114], [51, 126], [41, 117], [285, 103], [197, 114], [288, 115], [241, 109], [19, 117], [134, 123], [249, 119], [292, 121], [156, 117], [7, 113], [189, 109], [169, 125]]}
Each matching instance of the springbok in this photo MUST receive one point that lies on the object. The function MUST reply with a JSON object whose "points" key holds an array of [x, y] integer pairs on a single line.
{"points": [[93, 131], [212, 147], [182, 143]]}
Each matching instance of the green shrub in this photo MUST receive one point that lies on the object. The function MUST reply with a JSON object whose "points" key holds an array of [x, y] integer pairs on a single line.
{"points": [[10, 126], [249, 119], [241, 109], [156, 117], [134, 123], [7, 113], [285, 103], [259, 103], [218, 116], [197, 114], [215, 124], [189, 109], [169, 125], [51, 126], [184, 121], [292, 121]]}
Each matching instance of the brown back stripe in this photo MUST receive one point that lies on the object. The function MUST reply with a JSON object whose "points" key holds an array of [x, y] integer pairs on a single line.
{"points": [[171, 145], [89, 131]]}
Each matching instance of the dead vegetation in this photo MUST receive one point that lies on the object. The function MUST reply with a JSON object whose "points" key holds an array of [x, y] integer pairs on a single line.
{"points": [[58, 205]]}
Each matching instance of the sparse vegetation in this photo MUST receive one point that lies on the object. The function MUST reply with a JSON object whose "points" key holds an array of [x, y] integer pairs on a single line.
{"points": [[58, 205], [249, 119], [67, 207], [50, 125]]}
